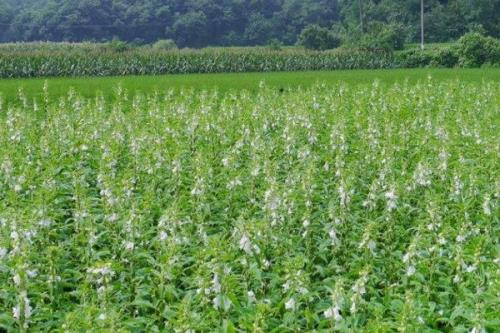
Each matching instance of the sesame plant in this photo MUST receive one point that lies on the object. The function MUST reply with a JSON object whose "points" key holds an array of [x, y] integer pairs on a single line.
{"points": [[345, 208]]}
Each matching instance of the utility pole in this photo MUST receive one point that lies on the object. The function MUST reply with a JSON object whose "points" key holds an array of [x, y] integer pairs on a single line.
{"points": [[360, 5], [422, 24]]}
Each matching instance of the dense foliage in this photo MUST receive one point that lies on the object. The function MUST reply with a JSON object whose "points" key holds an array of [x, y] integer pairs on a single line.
{"points": [[314, 37], [197, 23], [119, 58], [103, 62], [349, 208], [472, 50]]}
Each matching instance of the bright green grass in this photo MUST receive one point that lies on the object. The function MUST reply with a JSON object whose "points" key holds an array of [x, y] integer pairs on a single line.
{"points": [[88, 87]]}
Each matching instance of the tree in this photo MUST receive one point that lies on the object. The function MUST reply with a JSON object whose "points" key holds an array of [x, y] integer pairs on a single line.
{"points": [[190, 29], [5, 21], [198, 23], [314, 37]]}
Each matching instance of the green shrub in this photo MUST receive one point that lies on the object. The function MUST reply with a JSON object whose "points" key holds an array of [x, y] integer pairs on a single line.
{"points": [[118, 46], [275, 45], [446, 57], [414, 58], [314, 37], [165, 44], [476, 50], [383, 37]]}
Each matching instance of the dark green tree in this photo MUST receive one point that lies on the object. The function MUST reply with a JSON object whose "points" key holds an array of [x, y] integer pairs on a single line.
{"points": [[198, 23]]}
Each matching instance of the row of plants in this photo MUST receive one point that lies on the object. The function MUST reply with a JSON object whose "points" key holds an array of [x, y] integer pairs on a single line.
{"points": [[51, 59], [183, 62]]}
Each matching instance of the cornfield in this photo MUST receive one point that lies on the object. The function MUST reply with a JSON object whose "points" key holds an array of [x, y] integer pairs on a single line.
{"points": [[351, 209], [88, 60]]}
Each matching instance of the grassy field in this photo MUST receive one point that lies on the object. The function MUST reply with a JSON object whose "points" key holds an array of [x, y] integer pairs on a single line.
{"points": [[88, 87], [350, 206]]}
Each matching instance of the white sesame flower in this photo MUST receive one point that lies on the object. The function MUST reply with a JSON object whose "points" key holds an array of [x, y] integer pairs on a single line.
{"points": [[411, 270], [27, 308], [17, 279], [176, 167], [286, 285], [391, 200], [222, 302], [3, 252], [129, 246], [233, 184], [290, 304], [196, 192], [216, 284], [470, 268], [303, 290], [372, 245], [102, 316], [32, 273], [45, 223], [486, 206], [359, 288], [16, 312], [112, 218], [353, 307], [245, 244], [333, 236], [333, 312], [422, 175], [251, 297]]}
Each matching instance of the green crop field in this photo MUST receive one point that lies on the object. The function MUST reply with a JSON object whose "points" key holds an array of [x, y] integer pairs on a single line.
{"points": [[89, 87], [337, 203]]}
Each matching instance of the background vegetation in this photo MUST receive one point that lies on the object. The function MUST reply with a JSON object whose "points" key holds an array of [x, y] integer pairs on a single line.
{"points": [[119, 58], [200, 23]]}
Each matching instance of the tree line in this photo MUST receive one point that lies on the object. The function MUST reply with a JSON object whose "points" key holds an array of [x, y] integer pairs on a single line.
{"points": [[200, 23]]}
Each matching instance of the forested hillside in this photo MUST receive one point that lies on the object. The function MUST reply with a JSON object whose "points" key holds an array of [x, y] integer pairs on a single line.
{"points": [[198, 23]]}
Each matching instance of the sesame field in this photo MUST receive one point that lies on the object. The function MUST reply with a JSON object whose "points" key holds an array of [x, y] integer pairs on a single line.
{"points": [[330, 207]]}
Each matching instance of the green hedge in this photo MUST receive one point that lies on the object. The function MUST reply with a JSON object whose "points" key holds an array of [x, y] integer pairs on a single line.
{"points": [[472, 50]]}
